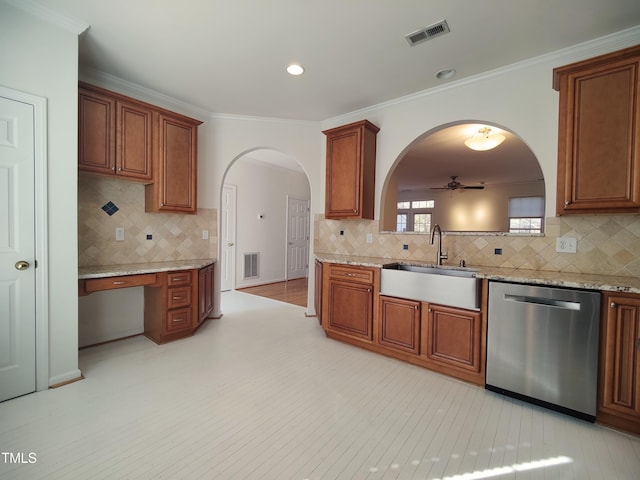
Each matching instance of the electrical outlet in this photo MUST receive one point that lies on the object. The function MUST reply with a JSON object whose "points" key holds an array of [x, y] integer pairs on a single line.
{"points": [[566, 244], [369, 237], [205, 234], [119, 234]]}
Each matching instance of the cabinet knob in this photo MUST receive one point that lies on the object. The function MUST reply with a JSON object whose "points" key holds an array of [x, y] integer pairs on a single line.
{"points": [[119, 169], [613, 305], [113, 168], [567, 202]]}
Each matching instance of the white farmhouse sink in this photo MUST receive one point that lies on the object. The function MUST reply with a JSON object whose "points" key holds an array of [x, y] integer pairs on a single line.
{"points": [[455, 287]]}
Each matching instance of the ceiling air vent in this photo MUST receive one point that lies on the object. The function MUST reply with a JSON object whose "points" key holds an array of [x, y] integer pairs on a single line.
{"points": [[427, 33]]}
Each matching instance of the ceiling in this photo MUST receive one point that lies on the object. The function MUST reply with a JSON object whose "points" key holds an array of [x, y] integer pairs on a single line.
{"points": [[229, 56]]}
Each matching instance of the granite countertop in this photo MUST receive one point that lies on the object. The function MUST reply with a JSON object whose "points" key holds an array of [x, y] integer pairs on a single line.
{"points": [[102, 271], [589, 281]]}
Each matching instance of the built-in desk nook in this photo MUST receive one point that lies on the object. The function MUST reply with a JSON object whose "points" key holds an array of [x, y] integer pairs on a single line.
{"points": [[178, 296]]}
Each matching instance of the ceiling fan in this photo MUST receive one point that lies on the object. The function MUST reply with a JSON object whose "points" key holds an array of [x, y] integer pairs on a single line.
{"points": [[456, 185]]}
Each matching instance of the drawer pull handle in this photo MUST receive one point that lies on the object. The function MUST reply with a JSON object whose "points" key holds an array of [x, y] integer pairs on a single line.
{"points": [[176, 320], [119, 283], [179, 279], [175, 297]]}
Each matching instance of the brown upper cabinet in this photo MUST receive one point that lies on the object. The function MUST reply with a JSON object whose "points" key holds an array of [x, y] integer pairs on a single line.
{"points": [[125, 138], [175, 166], [115, 134], [351, 167], [599, 134]]}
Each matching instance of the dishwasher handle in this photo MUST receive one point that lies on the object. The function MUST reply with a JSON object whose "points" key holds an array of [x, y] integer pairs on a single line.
{"points": [[548, 302]]}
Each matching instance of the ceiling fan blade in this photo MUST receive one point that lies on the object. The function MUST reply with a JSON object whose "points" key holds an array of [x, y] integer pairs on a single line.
{"points": [[476, 187]]}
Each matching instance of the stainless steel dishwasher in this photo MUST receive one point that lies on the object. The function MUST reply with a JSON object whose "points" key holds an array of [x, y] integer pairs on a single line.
{"points": [[542, 346]]}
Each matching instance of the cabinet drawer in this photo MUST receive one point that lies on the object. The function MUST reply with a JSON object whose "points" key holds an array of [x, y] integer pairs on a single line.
{"points": [[109, 283], [351, 273], [178, 319], [178, 297], [179, 278]]}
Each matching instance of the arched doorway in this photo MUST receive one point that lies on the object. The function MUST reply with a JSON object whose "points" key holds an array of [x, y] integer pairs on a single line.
{"points": [[257, 219]]}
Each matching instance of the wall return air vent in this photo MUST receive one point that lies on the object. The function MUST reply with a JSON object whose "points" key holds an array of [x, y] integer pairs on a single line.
{"points": [[427, 33]]}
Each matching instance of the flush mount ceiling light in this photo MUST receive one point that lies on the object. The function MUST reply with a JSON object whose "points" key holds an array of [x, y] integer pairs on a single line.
{"points": [[484, 140], [295, 69]]}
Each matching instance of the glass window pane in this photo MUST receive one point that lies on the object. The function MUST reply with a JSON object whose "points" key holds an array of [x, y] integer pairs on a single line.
{"points": [[404, 204], [422, 222], [401, 222]]}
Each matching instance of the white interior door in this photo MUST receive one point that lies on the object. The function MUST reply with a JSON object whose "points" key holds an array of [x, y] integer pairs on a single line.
{"points": [[17, 249], [297, 238], [228, 238]]}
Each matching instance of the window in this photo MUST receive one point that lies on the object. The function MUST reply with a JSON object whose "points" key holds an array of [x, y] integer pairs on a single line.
{"points": [[401, 222], [414, 216], [526, 214]]}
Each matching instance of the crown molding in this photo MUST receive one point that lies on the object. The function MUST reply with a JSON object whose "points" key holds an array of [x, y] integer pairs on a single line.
{"points": [[73, 25], [125, 87], [591, 48]]}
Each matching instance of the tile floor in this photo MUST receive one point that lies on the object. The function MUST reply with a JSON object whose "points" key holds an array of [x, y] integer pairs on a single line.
{"points": [[262, 394]]}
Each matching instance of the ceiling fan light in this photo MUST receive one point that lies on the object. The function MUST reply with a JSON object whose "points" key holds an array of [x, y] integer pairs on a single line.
{"points": [[484, 140]]}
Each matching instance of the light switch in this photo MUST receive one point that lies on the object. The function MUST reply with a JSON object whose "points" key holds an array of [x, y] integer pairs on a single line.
{"points": [[119, 234]]}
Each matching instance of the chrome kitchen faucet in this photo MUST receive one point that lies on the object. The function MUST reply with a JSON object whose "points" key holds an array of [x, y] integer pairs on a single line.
{"points": [[440, 256]]}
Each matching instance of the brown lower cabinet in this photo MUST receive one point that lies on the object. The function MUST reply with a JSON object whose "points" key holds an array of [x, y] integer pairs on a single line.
{"points": [[445, 339], [452, 342], [619, 378], [347, 304], [205, 292], [177, 304], [399, 324]]}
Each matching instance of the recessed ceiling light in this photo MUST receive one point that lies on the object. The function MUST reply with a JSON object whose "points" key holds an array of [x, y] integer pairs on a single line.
{"points": [[295, 69], [446, 74]]}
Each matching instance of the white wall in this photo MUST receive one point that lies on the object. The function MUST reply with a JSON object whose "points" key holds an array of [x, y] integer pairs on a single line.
{"points": [[519, 98], [42, 59], [263, 189], [225, 138]]}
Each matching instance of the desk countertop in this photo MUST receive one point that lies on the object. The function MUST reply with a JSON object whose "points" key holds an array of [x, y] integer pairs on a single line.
{"points": [[102, 271]]}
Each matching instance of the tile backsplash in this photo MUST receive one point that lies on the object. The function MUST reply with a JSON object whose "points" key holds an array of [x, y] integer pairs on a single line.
{"points": [[606, 244], [173, 236]]}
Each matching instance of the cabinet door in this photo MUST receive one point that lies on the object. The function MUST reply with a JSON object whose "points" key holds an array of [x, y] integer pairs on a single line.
{"points": [[96, 132], [343, 175], [350, 175], [350, 308], [620, 357], [598, 144], [134, 141], [452, 337], [174, 189], [399, 324]]}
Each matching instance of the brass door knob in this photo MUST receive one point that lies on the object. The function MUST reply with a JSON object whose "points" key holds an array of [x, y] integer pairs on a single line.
{"points": [[22, 265]]}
